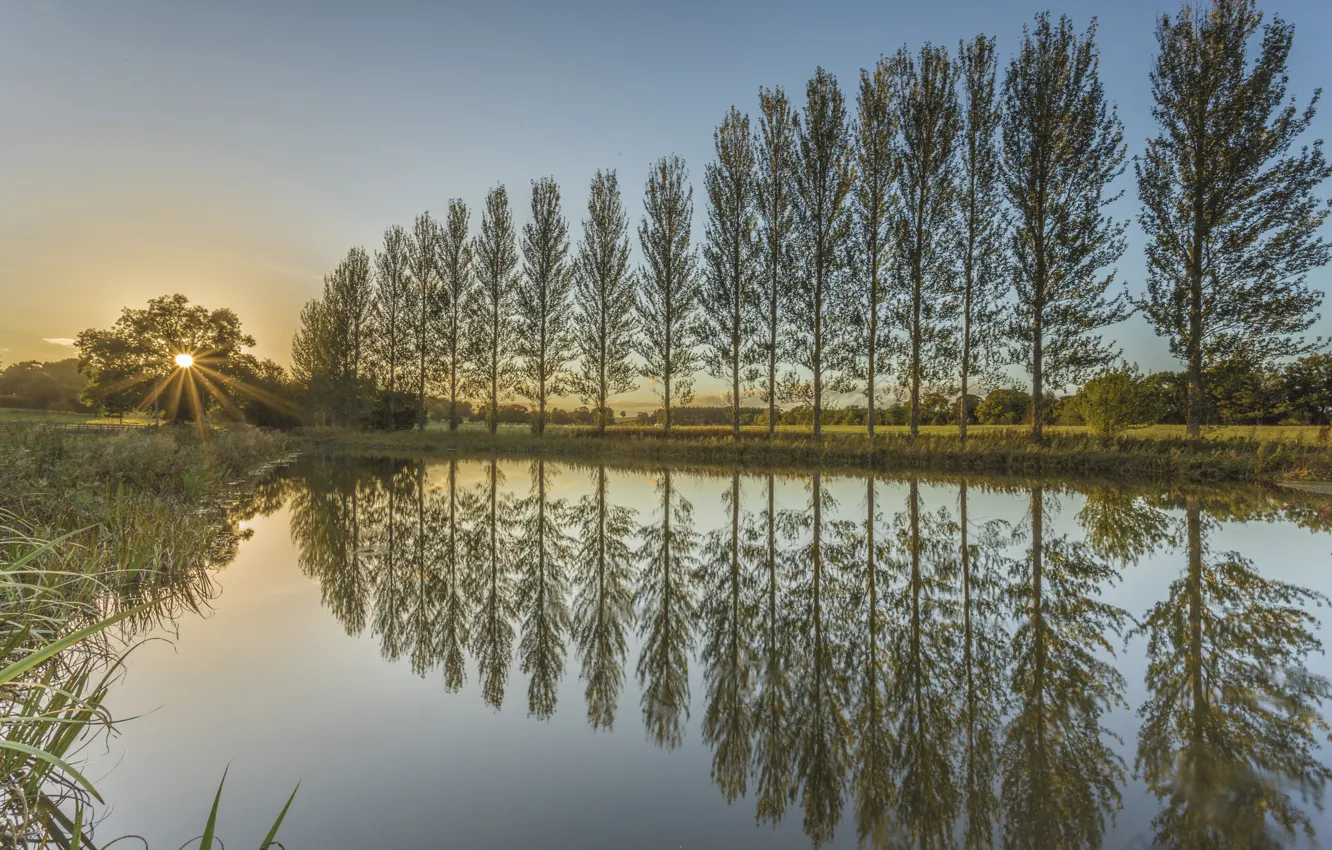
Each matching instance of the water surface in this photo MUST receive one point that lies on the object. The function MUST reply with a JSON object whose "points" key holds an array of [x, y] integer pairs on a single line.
{"points": [[478, 653]]}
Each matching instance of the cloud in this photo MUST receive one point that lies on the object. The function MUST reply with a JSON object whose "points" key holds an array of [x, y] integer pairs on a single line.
{"points": [[58, 340]]}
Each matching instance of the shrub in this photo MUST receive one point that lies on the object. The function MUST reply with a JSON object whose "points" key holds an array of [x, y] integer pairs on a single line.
{"points": [[1114, 400]]}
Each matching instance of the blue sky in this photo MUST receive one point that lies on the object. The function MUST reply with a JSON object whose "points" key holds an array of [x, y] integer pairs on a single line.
{"points": [[234, 151]]}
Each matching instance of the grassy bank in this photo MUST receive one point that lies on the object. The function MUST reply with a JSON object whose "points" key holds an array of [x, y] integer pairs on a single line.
{"points": [[1005, 451], [124, 527]]}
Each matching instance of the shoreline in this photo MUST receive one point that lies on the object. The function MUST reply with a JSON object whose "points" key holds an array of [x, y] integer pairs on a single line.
{"points": [[1122, 458]]}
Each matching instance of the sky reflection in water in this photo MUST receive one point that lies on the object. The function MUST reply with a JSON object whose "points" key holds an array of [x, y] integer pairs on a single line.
{"points": [[476, 653]]}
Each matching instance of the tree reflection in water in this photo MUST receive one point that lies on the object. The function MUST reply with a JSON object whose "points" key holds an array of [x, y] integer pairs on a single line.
{"points": [[943, 681]]}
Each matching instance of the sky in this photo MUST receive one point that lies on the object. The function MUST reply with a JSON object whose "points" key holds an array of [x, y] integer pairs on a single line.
{"points": [[234, 151]]}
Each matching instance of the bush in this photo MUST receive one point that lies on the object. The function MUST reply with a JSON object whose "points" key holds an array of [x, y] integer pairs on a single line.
{"points": [[1114, 400], [1004, 407]]}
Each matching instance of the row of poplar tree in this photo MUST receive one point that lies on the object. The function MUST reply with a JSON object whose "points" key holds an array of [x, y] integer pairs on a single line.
{"points": [[954, 225]]}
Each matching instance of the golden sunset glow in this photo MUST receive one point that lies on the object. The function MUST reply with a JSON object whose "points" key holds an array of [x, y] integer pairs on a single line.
{"points": [[184, 361]]}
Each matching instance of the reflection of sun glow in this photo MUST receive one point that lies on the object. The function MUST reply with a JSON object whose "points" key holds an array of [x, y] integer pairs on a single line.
{"points": [[184, 361]]}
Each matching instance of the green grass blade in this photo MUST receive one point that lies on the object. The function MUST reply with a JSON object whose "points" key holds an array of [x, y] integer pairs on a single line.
{"points": [[56, 762], [207, 842], [272, 833], [18, 668]]}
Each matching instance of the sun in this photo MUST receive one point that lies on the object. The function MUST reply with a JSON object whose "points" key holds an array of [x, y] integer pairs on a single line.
{"points": [[184, 361]]}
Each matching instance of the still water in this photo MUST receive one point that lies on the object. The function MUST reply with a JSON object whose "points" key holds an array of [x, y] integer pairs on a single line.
{"points": [[477, 653]]}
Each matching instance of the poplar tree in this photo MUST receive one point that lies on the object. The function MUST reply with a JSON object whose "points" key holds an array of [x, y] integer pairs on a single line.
{"points": [[1228, 207], [730, 273], [923, 221], [544, 341], [456, 295], [876, 131], [667, 303], [824, 176], [604, 300], [1062, 147], [351, 297], [423, 269], [393, 315], [492, 328], [984, 220], [774, 192]]}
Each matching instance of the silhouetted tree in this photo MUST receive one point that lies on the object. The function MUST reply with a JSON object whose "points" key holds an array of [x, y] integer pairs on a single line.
{"points": [[544, 340], [730, 273], [774, 192], [457, 293], [924, 221], [424, 272], [876, 131], [667, 302], [1062, 147], [825, 175], [393, 311], [983, 228], [603, 306], [492, 329]]}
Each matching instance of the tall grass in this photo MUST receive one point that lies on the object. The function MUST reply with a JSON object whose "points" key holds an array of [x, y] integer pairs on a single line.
{"points": [[101, 537], [1001, 451]]}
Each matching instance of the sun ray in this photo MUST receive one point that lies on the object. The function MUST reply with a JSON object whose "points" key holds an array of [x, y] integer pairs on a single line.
{"points": [[251, 391], [227, 404], [195, 403]]}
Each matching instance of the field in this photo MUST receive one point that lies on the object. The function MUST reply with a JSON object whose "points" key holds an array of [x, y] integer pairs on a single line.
{"points": [[17, 416], [1260, 433]]}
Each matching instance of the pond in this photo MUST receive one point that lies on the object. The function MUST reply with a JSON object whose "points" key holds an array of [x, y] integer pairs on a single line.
{"points": [[479, 653]]}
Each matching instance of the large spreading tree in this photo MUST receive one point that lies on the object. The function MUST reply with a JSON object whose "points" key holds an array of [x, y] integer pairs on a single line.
{"points": [[1228, 207], [133, 364], [1062, 148]]}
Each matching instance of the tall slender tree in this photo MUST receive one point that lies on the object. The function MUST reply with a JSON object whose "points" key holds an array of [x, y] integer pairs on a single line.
{"points": [[774, 192], [925, 162], [825, 174], [984, 220], [1228, 208], [393, 315], [493, 331], [730, 273], [456, 294], [1062, 147], [423, 269], [351, 296], [876, 129], [545, 321], [667, 303], [604, 299]]}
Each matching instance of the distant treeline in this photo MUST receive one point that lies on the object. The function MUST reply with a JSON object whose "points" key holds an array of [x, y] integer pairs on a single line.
{"points": [[33, 385]]}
